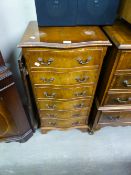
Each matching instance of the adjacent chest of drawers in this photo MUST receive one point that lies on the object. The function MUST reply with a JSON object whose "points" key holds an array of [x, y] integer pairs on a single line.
{"points": [[125, 8], [63, 64], [112, 106]]}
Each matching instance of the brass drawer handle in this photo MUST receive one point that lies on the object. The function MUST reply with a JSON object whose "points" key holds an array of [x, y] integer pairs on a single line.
{"points": [[82, 80], [52, 123], [113, 118], [76, 115], [81, 94], [51, 107], [50, 96], [76, 123], [42, 62], [45, 80], [51, 115], [126, 83], [119, 100], [80, 61], [79, 106]]}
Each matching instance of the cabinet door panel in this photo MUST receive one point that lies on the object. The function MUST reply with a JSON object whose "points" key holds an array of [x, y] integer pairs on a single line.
{"points": [[7, 126]]}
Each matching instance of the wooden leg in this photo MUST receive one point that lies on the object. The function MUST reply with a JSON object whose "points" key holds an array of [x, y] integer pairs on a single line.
{"points": [[45, 131], [91, 132], [83, 129]]}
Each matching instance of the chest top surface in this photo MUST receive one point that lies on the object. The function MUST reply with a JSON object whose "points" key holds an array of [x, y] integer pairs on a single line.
{"points": [[63, 37], [120, 34]]}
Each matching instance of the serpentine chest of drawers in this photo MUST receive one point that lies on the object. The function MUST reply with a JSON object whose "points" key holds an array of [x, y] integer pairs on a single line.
{"points": [[63, 64], [112, 105]]}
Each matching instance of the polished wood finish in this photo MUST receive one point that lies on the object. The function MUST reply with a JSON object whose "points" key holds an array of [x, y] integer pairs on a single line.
{"points": [[103, 117], [125, 10], [64, 78], [64, 93], [14, 124], [7, 127], [63, 123], [118, 98], [116, 117], [64, 105], [124, 61], [113, 95], [120, 34], [30, 104], [61, 114], [63, 64], [79, 57], [63, 37], [121, 81]]}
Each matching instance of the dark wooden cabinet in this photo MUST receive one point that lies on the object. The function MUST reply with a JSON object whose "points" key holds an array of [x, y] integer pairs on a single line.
{"points": [[112, 105], [14, 124], [63, 64]]}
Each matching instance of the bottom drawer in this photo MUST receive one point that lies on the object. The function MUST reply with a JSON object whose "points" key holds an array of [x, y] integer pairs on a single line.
{"points": [[102, 125], [118, 98], [115, 117], [62, 123]]}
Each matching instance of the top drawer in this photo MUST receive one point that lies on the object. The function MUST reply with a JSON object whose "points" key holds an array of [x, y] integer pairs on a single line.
{"points": [[63, 58], [125, 61]]}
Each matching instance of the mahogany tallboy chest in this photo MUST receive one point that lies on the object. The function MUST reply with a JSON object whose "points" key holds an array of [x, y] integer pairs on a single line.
{"points": [[63, 64], [112, 106], [14, 123]]}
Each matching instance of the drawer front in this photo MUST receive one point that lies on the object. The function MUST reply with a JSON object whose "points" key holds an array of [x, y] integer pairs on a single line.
{"points": [[116, 117], [51, 114], [66, 78], [122, 81], [62, 123], [63, 105], [63, 93], [118, 99], [70, 58], [125, 61]]}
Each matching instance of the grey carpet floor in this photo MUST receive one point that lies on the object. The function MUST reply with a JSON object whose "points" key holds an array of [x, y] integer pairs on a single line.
{"points": [[108, 152]]}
